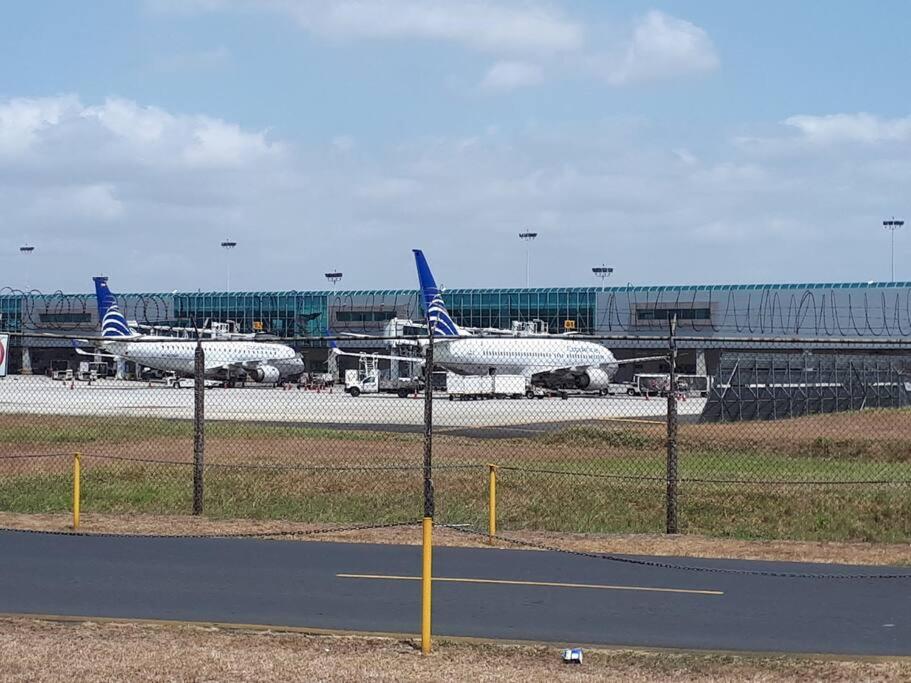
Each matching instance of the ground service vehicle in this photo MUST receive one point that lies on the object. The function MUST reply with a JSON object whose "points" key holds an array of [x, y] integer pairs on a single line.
{"points": [[461, 387], [369, 379]]}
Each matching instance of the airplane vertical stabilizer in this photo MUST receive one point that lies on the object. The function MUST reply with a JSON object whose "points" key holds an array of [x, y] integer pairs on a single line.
{"points": [[434, 308], [113, 324]]}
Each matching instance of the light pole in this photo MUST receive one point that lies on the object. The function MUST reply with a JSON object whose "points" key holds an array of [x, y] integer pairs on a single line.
{"points": [[527, 237], [27, 250], [892, 225], [334, 277], [603, 272], [228, 246]]}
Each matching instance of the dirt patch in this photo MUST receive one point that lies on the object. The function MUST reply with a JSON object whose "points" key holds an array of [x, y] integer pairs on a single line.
{"points": [[629, 544], [94, 652]]}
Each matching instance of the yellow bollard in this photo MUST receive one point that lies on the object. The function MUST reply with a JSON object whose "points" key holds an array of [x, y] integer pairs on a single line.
{"points": [[77, 472], [426, 580], [492, 505]]}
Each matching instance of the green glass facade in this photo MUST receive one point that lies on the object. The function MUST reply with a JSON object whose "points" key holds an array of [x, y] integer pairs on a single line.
{"points": [[281, 313], [10, 313], [498, 308], [821, 309]]}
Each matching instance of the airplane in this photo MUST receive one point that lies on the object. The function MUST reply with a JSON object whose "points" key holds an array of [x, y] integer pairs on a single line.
{"points": [[229, 361], [553, 362]]}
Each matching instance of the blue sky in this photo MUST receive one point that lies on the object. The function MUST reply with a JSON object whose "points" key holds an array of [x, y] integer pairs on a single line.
{"points": [[678, 141]]}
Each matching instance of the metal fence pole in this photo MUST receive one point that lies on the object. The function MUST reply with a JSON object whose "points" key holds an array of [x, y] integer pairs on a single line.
{"points": [[429, 504], [428, 430], [672, 430], [199, 426]]}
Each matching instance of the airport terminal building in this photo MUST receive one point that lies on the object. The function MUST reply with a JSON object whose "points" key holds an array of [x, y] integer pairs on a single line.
{"points": [[737, 315]]}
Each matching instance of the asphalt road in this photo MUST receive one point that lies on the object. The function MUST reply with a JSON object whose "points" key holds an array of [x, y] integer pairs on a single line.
{"points": [[299, 584]]}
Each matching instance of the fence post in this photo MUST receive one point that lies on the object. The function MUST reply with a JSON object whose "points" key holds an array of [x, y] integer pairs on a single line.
{"points": [[77, 476], [429, 503], [672, 430], [199, 426], [492, 505]]}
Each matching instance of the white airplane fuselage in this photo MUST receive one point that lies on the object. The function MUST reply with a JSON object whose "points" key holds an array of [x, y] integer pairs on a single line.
{"points": [[222, 359], [528, 357]]}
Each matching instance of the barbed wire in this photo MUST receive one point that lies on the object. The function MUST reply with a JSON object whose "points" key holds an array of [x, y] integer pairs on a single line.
{"points": [[755, 310]]}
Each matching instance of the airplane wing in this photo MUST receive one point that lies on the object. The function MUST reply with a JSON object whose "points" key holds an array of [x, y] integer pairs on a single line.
{"points": [[582, 368], [94, 354], [645, 359], [242, 364]]}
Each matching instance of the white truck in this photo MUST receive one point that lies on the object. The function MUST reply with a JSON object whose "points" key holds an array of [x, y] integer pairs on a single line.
{"points": [[369, 379], [473, 387]]}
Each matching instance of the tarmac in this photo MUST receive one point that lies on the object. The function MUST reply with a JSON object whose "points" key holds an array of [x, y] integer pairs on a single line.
{"points": [[42, 395], [483, 593]]}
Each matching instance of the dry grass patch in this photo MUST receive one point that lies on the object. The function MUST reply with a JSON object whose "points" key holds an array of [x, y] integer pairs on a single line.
{"points": [[94, 652], [627, 544]]}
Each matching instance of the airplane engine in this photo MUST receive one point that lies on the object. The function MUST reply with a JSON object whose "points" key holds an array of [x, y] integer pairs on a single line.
{"points": [[265, 373], [593, 379]]}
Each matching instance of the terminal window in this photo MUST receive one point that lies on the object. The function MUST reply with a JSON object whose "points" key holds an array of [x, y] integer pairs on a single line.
{"points": [[363, 316], [66, 318], [647, 314]]}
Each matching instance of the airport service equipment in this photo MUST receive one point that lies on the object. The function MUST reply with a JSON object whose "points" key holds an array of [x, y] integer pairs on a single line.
{"points": [[369, 379], [657, 384], [462, 387]]}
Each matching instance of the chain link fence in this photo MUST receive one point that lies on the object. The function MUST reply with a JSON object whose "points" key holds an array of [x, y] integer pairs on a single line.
{"points": [[765, 439]]}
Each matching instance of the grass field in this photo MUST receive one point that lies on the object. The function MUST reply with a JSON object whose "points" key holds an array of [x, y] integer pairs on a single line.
{"points": [[831, 477]]}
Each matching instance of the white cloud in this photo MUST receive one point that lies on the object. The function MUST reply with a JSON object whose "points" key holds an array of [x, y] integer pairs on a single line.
{"points": [[22, 120], [163, 188], [659, 46], [93, 202], [686, 156], [486, 25], [662, 47], [482, 25], [132, 176], [832, 136], [220, 144], [859, 128], [504, 76], [121, 130]]}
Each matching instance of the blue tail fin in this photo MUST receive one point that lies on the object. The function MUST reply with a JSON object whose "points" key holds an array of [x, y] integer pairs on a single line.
{"points": [[434, 308], [113, 324]]}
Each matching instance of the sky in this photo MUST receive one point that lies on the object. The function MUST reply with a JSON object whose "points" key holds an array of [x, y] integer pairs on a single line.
{"points": [[677, 142]]}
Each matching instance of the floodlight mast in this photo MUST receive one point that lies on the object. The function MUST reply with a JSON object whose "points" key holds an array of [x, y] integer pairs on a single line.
{"points": [[26, 250], [892, 225], [528, 238], [334, 277], [602, 272], [228, 246]]}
